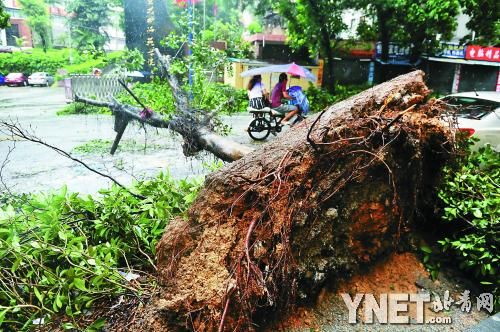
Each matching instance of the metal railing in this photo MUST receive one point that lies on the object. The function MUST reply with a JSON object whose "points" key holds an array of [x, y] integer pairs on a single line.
{"points": [[101, 88]]}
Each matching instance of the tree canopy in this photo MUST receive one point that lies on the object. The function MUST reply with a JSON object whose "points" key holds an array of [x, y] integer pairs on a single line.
{"points": [[4, 17], [316, 25], [484, 21], [88, 19], [38, 19], [423, 23]]}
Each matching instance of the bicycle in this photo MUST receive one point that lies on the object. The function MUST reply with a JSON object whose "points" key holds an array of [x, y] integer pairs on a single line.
{"points": [[267, 121]]}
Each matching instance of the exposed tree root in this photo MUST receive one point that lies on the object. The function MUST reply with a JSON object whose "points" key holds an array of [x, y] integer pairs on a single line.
{"points": [[329, 195]]}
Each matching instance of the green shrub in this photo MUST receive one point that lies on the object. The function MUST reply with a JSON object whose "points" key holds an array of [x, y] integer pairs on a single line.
{"points": [[319, 98], [155, 95], [471, 195], [36, 60], [215, 94], [89, 63], [60, 252], [82, 108], [158, 96]]}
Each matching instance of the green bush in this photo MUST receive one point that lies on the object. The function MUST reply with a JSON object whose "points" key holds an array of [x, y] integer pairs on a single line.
{"points": [[319, 98], [82, 108], [471, 195], [36, 60], [215, 94], [60, 252], [89, 63], [158, 96]]}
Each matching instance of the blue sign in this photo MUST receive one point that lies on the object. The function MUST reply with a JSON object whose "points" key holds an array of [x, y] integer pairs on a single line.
{"points": [[452, 51]]}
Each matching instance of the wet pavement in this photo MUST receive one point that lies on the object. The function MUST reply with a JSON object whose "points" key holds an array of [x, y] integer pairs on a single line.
{"points": [[33, 167]]}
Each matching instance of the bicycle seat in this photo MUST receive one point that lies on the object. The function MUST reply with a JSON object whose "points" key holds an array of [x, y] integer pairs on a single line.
{"points": [[256, 111]]}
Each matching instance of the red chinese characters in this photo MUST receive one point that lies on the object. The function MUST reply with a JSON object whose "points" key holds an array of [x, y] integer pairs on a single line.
{"points": [[475, 52]]}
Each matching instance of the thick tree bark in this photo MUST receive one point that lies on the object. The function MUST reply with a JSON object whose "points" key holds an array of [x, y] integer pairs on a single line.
{"points": [[385, 37], [333, 193]]}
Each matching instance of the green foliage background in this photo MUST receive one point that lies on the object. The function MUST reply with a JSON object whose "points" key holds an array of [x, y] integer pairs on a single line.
{"points": [[36, 60]]}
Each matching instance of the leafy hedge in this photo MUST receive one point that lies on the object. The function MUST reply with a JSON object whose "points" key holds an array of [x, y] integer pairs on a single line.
{"points": [[36, 60], [319, 98], [33, 61], [60, 252], [471, 195]]}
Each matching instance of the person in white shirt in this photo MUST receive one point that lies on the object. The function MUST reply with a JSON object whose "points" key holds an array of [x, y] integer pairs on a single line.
{"points": [[257, 94]]}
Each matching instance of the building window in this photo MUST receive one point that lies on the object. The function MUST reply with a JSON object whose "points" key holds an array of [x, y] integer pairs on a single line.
{"points": [[11, 32]]}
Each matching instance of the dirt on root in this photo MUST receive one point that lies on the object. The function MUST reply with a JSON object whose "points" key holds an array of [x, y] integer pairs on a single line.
{"points": [[398, 273]]}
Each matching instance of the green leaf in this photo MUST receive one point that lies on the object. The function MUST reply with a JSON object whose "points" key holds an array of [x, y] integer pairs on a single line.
{"points": [[426, 249], [80, 284], [38, 295], [3, 313]]}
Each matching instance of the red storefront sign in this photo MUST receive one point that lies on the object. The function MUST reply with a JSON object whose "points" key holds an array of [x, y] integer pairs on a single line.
{"points": [[475, 52]]}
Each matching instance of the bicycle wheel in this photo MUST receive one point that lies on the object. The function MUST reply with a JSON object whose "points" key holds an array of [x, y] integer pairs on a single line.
{"points": [[259, 129]]}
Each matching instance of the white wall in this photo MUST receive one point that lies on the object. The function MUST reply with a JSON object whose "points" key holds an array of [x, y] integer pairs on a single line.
{"points": [[116, 35], [3, 37]]}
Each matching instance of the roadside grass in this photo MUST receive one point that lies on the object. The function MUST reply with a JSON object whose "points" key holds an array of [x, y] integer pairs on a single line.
{"points": [[102, 146], [82, 108]]}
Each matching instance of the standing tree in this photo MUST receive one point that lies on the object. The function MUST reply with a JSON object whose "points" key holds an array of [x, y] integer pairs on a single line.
{"points": [[316, 25], [4, 17], [38, 19], [422, 23], [87, 21], [484, 21], [384, 15]]}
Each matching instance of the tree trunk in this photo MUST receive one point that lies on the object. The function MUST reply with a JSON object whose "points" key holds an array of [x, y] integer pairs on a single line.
{"points": [[385, 37], [333, 193]]}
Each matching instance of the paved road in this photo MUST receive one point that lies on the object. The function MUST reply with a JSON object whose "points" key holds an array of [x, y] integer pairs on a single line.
{"points": [[33, 167]]}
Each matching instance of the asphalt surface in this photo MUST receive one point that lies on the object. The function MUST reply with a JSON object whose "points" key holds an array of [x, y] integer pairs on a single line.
{"points": [[33, 167]]}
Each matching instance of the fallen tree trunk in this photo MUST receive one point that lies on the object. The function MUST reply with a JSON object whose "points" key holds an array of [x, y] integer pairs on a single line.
{"points": [[193, 125], [328, 196]]}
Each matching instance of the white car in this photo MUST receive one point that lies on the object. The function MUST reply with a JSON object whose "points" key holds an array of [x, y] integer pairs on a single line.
{"points": [[40, 78], [478, 115]]}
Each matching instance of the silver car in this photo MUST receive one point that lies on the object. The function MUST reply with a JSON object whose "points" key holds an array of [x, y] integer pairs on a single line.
{"points": [[40, 78], [478, 115]]}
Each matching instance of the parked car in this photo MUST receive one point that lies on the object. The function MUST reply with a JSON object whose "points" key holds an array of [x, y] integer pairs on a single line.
{"points": [[478, 115], [40, 78], [18, 79], [2, 79]]}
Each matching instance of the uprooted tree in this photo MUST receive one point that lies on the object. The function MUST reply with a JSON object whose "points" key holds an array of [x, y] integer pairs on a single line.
{"points": [[328, 196]]}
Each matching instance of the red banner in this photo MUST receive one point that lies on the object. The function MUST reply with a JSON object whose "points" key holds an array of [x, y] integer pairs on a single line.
{"points": [[475, 52]]}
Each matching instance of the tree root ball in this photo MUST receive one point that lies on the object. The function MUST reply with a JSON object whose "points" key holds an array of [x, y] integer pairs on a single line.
{"points": [[335, 192]]}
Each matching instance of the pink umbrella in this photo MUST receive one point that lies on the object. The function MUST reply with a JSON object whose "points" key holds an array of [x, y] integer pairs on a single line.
{"points": [[291, 68]]}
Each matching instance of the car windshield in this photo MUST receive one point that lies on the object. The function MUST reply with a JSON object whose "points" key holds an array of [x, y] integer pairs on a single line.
{"points": [[472, 108], [14, 75], [37, 74]]}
